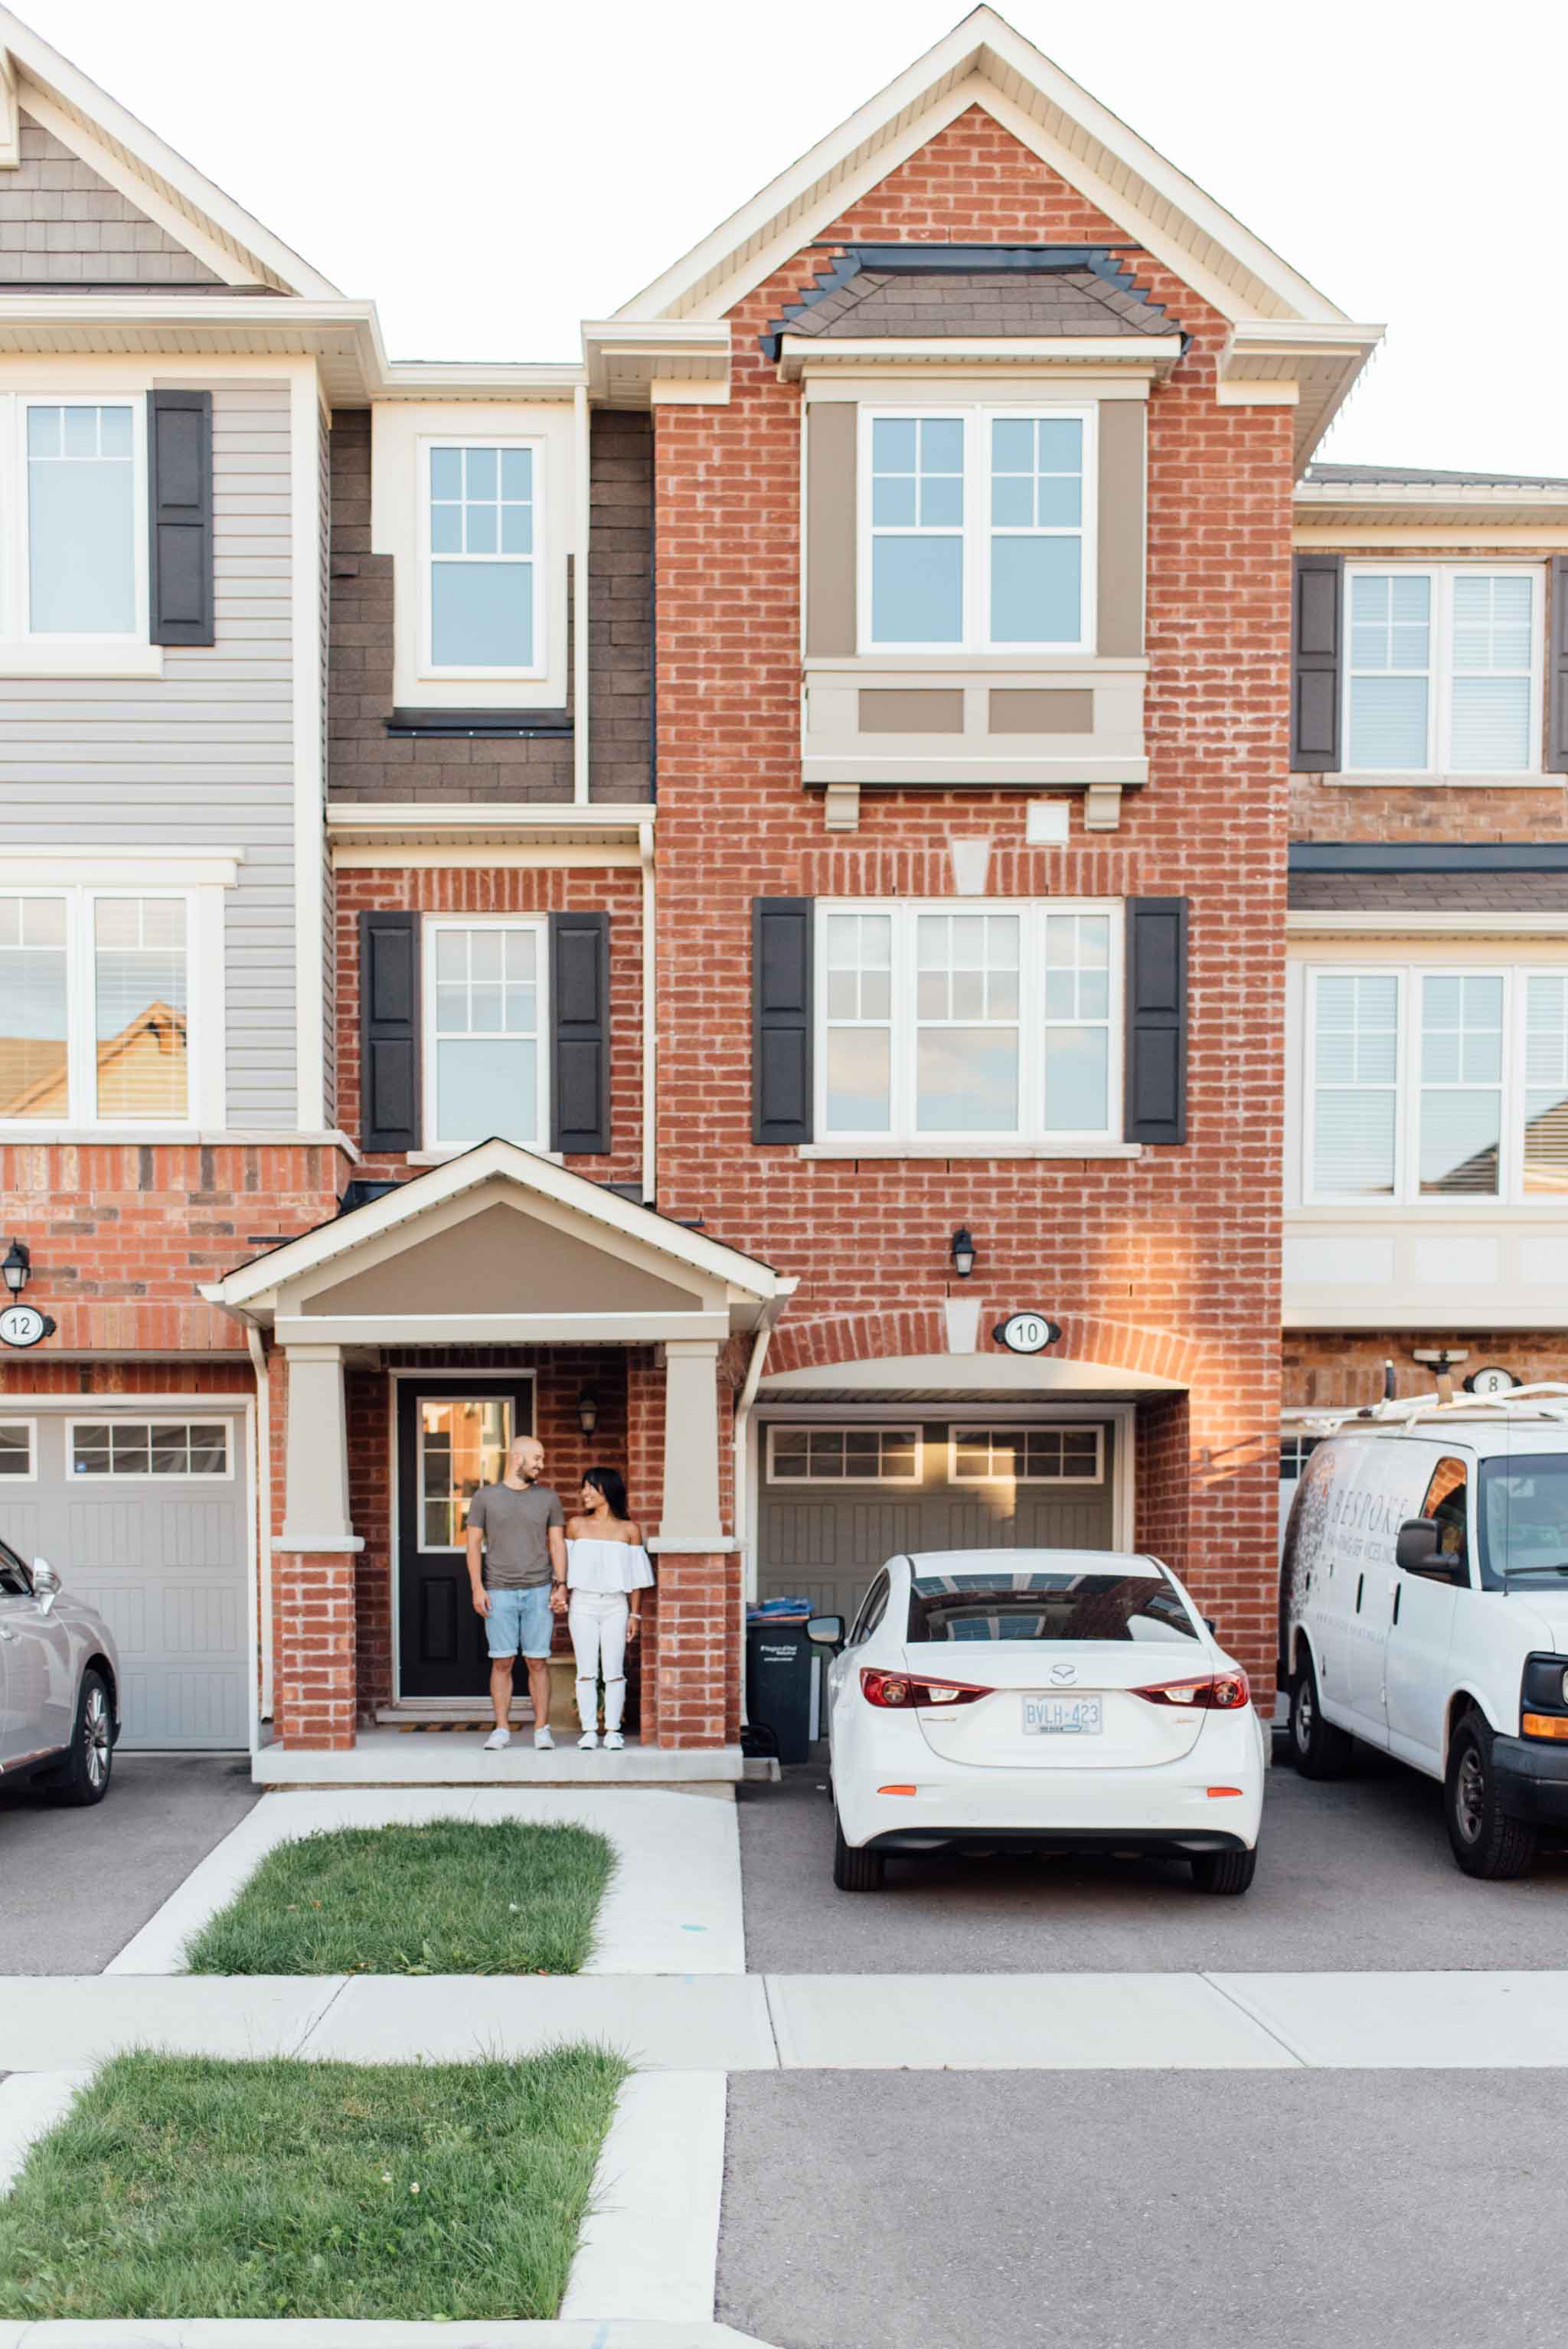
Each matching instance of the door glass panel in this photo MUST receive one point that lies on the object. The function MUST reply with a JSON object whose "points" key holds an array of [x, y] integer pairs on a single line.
{"points": [[463, 1442]]}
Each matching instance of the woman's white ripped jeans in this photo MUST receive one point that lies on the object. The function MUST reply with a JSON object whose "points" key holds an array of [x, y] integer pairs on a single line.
{"points": [[597, 1621]]}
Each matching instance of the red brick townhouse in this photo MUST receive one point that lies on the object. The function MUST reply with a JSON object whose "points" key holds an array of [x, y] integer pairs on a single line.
{"points": [[668, 899]]}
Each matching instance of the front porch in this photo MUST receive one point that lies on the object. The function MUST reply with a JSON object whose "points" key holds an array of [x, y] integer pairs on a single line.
{"points": [[408, 1343]]}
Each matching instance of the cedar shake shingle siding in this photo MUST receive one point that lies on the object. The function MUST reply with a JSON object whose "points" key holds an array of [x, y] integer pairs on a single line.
{"points": [[61, 224], [365, 763]]}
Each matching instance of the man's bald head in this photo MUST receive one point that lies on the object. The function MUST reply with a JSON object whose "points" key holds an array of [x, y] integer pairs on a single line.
{"points": [[528, 1458]]}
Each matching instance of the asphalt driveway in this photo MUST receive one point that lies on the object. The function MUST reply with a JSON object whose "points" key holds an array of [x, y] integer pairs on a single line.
{"points": [[1356, 1874], [76, 1885]]}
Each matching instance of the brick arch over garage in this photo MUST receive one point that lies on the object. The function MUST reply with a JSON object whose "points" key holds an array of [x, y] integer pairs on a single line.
{"points": [[900, 1331]]}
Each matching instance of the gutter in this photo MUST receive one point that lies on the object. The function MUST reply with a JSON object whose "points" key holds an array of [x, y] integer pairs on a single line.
{"points": [[259, 1597], [650, 1029]]}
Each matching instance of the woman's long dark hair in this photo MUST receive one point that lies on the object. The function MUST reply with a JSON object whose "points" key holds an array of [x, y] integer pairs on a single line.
{"points": [[612, 1484]]}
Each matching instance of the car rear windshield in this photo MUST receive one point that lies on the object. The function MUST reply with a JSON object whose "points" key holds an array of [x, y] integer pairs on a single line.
{"points": [[1047, 1606]]}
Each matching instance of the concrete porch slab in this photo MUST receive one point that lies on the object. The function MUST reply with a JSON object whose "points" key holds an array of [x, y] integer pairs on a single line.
{"points": [[385, 1757]]}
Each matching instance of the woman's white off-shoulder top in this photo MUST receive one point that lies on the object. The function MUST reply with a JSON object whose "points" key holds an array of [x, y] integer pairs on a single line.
{"points": [[604, 1566]]}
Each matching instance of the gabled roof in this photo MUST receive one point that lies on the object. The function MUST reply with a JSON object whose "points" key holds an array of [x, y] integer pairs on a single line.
{"points": [[984, 62], [133, 159], [1424, 477]]}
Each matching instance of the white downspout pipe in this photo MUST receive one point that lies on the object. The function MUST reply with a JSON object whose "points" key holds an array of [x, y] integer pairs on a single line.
{"points": [[761, 1339], [258, 1598], [650, 1023], [580, 601]]}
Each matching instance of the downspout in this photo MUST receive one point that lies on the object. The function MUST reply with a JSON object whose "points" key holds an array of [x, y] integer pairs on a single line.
{"points": [[259, 1599], [650, 1029], [761, 1339], [580, 791]]}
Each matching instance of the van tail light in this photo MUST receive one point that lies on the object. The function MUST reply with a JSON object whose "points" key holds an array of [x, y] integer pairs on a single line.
{"points": [[893, 1691], [1216, 1693]]}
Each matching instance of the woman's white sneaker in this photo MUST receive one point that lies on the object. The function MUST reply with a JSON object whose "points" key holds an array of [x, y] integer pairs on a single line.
{"points": [[543, 1741], [614, 1741], [589, 1741], [497, 1738]]}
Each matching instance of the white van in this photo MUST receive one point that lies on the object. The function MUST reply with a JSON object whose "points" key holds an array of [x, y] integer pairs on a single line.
{"points": [[1424, 1609]]}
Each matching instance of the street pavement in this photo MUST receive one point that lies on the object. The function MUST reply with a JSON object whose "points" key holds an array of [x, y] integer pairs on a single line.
{"points": [[1352, 1875], [1416, 2210], [76, 1885]]}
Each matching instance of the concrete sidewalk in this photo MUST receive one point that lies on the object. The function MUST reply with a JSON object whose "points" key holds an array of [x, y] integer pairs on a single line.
{"points": [[1159, 2023]]}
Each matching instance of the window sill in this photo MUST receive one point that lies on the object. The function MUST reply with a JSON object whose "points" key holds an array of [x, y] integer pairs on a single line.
{"points": [[1532, 781], [962, 1148], [14, 1132], [66, 660], [1349, 1211], [946, 661]]}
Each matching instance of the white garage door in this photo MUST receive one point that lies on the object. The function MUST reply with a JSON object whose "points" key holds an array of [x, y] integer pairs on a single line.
{"points": [[146, 1517]]}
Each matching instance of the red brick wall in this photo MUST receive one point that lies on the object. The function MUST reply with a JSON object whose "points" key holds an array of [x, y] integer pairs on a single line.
{"points": [[1182, 1243], [507, 889]]}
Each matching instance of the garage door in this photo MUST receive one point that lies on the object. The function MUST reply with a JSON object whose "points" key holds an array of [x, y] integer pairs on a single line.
{"points": [[836, 1501], [145, 1519]]}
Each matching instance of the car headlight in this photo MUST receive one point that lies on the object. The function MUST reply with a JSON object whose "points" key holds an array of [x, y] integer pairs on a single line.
{"points": [[1543, 1698]]}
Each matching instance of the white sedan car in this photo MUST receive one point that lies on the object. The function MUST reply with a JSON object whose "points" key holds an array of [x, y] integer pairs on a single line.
{"points": [[1052, 1698]]}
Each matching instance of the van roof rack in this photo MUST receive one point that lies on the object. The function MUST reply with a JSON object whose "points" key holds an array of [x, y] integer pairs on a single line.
{"points": [[1541, 1399]]}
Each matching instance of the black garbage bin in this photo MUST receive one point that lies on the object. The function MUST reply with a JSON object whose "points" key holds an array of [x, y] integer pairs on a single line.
{"points": [[779, 1662]]}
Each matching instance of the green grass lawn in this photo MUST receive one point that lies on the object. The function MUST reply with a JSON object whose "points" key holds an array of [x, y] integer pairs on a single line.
{"points": [[181, 2187], [446, 1898]]}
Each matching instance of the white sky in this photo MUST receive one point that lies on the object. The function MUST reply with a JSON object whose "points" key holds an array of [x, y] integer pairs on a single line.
{"points": [[492, 174]]}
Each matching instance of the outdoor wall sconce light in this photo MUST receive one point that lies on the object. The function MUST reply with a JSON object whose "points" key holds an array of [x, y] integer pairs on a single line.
{"points": [[587, 1411], [18, 1268], [962, 1251]]}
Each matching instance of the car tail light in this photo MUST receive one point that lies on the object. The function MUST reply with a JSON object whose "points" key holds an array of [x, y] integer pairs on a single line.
{"points": [[1215, 1692], [893, 1691]]}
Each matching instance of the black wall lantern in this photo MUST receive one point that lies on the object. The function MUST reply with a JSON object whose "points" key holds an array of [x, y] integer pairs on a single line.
{"points": [[962, 1250], [17, 1267], [587, 1411]]}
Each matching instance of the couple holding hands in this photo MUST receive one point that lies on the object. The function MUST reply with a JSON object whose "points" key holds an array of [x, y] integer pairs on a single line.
{"points": [[527, 1564]]}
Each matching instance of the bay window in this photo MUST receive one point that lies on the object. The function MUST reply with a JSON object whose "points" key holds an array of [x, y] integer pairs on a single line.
{"points": [[485, 1068], [977, 529], [1426, 1082], [95, 989], [1443, 671], [481, 526], [970, 1023]]}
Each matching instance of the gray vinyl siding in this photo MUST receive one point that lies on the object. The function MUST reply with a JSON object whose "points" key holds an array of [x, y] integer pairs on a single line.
{"points": [[201, 758], [62, 225]]}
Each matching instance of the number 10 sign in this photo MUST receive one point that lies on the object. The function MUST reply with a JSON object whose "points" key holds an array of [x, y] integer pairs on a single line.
{"points": [[1027, 1332]]}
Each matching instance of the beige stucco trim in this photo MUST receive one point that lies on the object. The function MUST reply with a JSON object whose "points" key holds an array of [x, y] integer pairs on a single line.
{"points": [[830, 568], [1040, 709], [691, 1504], [315, 1505], [1124, 499], [893, 710]]}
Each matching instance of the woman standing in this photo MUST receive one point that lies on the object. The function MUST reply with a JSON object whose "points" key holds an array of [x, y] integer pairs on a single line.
{"points": [[608, 1571]]}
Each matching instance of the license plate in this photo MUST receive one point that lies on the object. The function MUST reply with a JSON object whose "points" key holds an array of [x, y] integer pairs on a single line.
{"points": [[1061, 1716]]}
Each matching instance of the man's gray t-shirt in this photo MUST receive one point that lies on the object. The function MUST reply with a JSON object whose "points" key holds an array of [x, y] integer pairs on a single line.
{"points": [[516, 1520]]}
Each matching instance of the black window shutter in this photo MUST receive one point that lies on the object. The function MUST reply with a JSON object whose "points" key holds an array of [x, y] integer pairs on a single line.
{"points": [[180, 505], [1156, 1075], [389, 1032], [1317, 591], [1557, 672], [580, 1052], [781, 1020]]}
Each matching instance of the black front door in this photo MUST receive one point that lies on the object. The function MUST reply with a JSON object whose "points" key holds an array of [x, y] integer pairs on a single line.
{"points": [[452, 1437]]}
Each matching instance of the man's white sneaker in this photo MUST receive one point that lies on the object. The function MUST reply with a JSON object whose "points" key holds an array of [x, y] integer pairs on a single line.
{"points": [[544, 1741], [614, 1741], [497, 1738], [589, 1741]]}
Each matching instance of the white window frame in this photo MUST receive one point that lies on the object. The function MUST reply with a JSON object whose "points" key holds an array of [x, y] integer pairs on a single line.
{"points": [[901, 1428], [503, 1395], [1441, 671], [44, 642], [960, 1431], [28, 1475], [204, 1014], [1031, 1132], [424, 445], [432, 926], [976, 416], [1407, 1193], [225, 1475]]}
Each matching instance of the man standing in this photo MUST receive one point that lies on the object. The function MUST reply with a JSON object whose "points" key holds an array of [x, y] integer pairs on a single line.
{"points": [[517, 1563]]}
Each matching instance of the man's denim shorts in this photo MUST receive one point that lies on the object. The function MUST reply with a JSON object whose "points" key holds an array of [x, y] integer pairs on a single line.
{"points": [[519, 1621]]}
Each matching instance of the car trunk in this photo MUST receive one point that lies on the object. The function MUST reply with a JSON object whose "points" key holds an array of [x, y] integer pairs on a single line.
{"points": [[1058, 1704]]}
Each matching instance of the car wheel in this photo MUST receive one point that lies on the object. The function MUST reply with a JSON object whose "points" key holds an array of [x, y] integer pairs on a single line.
{"points": [[1318, 1749], [1224, 1871], [84, 1773], [856, 1870], [1486, 1842]]}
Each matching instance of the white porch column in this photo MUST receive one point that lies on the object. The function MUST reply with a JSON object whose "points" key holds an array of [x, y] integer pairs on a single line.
{"points": [[316, 1490], [691, 1514]]}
